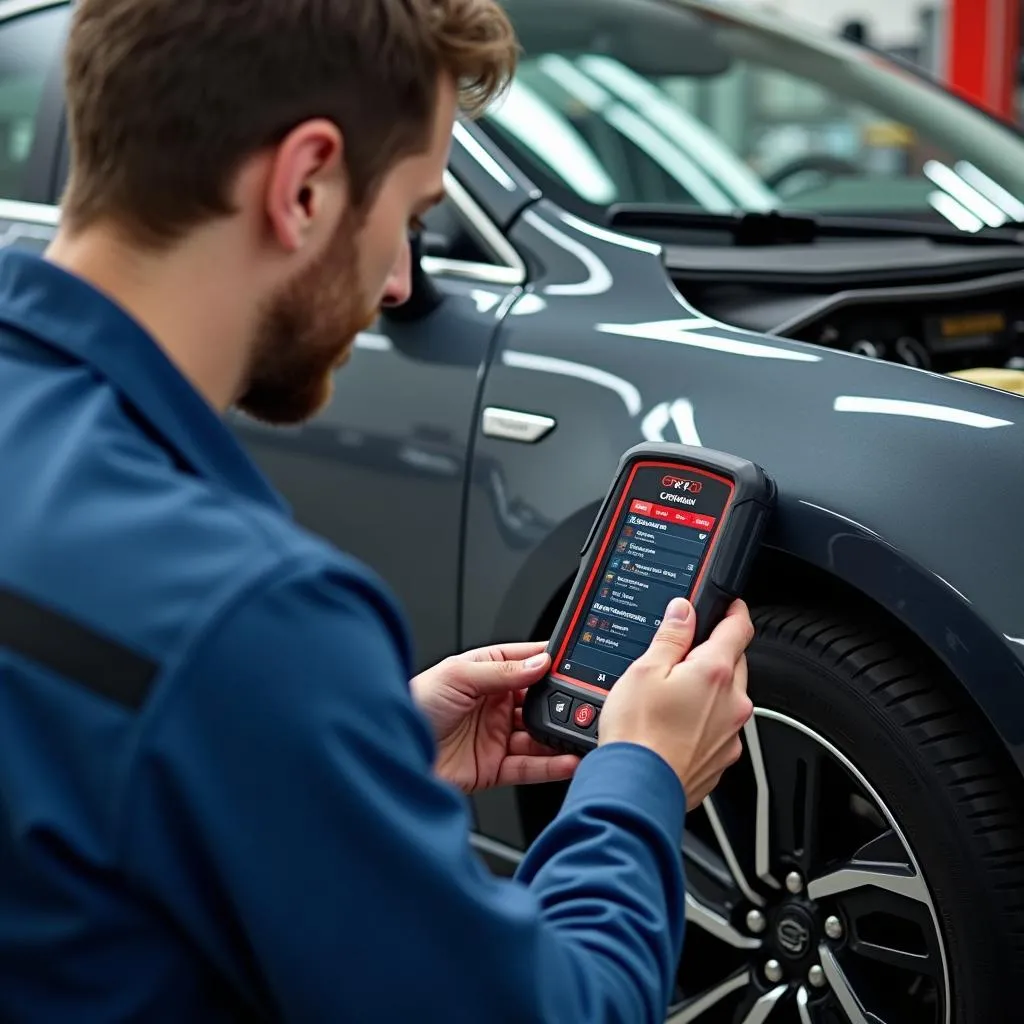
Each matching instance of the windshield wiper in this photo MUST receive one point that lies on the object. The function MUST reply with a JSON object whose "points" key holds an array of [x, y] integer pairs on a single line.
{"points": [[775, 228]]}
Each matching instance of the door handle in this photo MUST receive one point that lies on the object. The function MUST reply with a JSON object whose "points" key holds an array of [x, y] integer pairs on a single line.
{"points": [[516, 425]]}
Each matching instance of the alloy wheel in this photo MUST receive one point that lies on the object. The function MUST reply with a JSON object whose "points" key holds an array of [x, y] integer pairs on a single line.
{"points": [[805, 902]]}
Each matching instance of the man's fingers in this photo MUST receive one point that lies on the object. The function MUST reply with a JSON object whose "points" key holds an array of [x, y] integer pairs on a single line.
{"points": [[523, 744], [739, 679], [507, 652], [525, 771], [729, 639], [674, 636], [488, 677]]}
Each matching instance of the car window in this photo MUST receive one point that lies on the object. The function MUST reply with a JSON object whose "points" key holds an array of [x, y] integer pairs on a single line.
{"points": [[458, 237], [28, 48], [641, 101]]}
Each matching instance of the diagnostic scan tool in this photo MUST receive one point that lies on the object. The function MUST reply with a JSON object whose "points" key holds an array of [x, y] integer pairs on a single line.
{"points": [[678, 521]]}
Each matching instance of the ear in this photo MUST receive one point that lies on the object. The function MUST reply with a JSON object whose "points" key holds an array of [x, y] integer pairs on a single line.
{"points": [[305, 187]]}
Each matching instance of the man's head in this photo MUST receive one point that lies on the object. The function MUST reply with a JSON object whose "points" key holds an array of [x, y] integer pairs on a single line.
{"points": [[305, 135]]}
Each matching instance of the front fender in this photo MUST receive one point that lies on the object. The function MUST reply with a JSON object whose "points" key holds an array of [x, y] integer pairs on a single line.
{"points": [[984, 661], [925, 604], [898, 482]]}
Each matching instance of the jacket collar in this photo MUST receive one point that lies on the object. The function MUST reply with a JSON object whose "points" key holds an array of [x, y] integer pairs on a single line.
{"points": [[64, 312]]}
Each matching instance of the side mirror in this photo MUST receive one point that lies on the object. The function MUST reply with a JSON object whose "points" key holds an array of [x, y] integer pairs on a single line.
{"points": [[424, 298]]}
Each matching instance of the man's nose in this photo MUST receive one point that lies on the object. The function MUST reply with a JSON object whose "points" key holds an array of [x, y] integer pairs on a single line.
{"points": [[398, 288]]}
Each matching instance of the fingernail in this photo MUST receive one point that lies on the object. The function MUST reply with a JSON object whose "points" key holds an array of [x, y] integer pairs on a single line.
{"points": [[679, 610], [535, 662]]}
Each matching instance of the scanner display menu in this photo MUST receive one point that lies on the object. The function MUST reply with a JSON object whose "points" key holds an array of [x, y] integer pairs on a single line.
{"points": [[654, 554]]}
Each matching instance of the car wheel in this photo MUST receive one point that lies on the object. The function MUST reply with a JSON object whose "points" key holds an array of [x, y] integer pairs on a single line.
{"points": [[862, 863]]}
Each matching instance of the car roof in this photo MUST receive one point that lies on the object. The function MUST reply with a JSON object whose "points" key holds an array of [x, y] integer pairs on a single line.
{"points": [[741, 12], [12, 8]]}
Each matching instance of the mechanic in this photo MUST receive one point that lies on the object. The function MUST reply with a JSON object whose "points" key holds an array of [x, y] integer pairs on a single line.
{"points": [[221, 798]]}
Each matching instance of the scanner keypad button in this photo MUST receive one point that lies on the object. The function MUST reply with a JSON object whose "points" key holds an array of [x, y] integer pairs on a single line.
{"points": [[559, 705], [584, 715]]}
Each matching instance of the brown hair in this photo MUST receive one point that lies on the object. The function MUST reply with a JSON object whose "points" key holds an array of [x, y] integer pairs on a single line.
{"points": [[167, 98]]}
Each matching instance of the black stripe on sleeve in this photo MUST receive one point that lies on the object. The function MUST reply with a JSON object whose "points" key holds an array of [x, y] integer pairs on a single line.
{"points": [[74, 651]]}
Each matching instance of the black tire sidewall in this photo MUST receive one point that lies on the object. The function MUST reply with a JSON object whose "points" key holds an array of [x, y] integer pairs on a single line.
{"points": [[840, 707]]}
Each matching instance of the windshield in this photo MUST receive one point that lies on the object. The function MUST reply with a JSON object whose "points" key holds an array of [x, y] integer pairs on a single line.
{"points": [[690, 104]]}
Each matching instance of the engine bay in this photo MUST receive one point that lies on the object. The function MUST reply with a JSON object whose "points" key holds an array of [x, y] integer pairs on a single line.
{"points": [[945, 326], [943, 331]]}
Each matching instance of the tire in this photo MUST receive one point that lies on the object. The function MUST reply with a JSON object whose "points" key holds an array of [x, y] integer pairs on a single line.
{"points": [[851, 700]]}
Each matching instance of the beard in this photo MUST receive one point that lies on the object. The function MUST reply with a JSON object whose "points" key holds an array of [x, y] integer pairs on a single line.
{"points": [[307, 332]]}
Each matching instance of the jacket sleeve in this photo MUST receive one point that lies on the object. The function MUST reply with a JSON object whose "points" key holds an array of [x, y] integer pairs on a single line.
{"points": [[282, 810]]}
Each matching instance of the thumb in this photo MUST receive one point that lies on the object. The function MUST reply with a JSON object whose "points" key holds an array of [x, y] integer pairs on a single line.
{"points": [[486, 677], [674, 637]]}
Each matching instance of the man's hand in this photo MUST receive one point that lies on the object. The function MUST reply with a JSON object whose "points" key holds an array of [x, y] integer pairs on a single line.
{"points": [[686, 705], [474, 702]]}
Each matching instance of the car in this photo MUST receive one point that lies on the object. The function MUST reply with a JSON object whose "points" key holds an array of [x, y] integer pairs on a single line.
{"points": [[691, 222]]}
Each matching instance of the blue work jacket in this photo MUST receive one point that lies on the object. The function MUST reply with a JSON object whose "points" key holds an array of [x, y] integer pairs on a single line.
{"points": [[216, 793]]}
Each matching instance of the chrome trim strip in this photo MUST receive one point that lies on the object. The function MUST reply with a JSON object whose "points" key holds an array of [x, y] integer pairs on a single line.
{"points": [[514, 425], [31, 213], [482, 224], [486, 273], [480, 155]]}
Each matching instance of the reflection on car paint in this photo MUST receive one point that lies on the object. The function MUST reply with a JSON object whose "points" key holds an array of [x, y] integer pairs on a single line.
{"points": [[686, 332], [529, 304], [373, 342], [599, 278], [846, 519], [485, 301], [921, 410], [629, 393], [522, 525], [680, 414], [430, 462], [945, 582], [611, 237]]}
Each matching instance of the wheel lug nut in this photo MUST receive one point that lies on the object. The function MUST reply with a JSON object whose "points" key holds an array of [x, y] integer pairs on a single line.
{"points": [[773, 971], [755, 921], [816, 976], [833, 927], [794, 883]]}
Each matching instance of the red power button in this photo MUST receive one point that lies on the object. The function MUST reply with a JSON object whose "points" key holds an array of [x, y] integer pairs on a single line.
{"points": [[584, 715]]}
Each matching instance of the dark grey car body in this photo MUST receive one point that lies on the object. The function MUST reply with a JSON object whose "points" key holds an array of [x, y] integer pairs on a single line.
{"points": [[899, 485], [899, 489], [915, 506]]}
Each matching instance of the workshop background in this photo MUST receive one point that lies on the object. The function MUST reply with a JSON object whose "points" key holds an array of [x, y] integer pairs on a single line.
{"points": [[973, 46]]}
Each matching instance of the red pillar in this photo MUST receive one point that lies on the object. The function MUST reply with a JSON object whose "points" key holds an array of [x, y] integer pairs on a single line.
{"points": [[982, 50]]}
